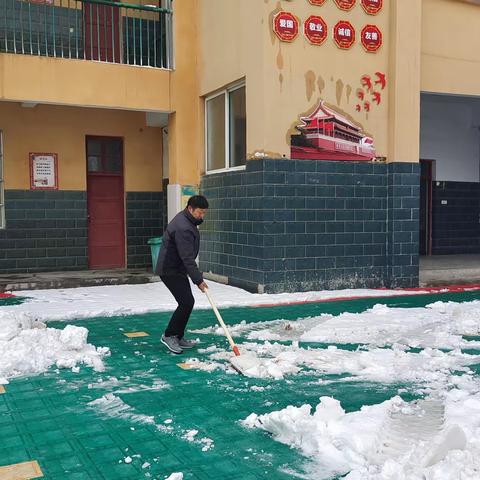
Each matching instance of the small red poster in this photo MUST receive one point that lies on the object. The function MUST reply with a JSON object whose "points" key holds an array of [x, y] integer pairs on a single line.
{"points": [[344, 34], [315, 29], [371, 38], [345, 4], [285, 25], [317, 2], [372, 7]]}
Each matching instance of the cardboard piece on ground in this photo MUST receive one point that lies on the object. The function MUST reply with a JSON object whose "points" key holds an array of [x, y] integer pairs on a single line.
{"points": [[185, 366], [21, 471], [136, 334]]}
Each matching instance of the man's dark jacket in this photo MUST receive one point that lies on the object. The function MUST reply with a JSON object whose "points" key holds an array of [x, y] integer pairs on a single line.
{"points": [[180, 245]]}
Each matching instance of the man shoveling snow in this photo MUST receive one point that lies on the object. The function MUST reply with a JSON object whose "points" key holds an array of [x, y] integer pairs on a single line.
{"points": [[176, 262]]}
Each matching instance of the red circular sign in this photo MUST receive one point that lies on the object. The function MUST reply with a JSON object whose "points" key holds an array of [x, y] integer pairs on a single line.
{"points": [[371, 38], [372, 7], [345, 4], [285, 25], [315, 29], [344, 34], [317, 2]]}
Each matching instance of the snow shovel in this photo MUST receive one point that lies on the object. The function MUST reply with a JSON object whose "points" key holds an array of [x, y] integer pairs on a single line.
{"points": [[241, 363]]}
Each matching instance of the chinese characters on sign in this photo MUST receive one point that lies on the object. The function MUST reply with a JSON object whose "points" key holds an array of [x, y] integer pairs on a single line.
{"points": [[371, 38], [285, 26], [315, 29], [344, 34], [43, 171], [345, 4], [372, 7]]}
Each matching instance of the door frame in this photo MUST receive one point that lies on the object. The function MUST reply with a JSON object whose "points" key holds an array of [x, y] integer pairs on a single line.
{"points": [[429, 178], [124, 206]]}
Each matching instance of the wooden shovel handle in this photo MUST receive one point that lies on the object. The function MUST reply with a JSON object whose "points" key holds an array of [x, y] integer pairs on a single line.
{"points": [[222, 323]]}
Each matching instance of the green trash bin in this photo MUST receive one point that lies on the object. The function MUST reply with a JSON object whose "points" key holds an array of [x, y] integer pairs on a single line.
{"points": [[155, 244]]}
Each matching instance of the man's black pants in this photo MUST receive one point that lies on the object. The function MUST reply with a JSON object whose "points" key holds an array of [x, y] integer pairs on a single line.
{"points": [[179, 286]]}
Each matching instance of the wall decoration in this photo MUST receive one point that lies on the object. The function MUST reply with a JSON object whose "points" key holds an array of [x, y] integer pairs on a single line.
{"points": [[43, 171], [372, 7], [285, 26], [370, 92], [327, 134], [344, 34], [315, 29], [371, 38], [345, 4]]}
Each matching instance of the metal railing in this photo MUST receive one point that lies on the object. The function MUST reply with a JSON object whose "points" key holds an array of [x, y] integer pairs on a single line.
{"points": [[97, 30]]}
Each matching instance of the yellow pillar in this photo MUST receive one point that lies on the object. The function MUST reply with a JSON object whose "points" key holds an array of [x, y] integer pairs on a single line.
{"points": [[404, 66], [184, 124]]}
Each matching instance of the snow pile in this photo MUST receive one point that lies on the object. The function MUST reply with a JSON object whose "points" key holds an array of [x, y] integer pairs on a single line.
{"points": [[435, 438], [385, 365], [27, 346]]}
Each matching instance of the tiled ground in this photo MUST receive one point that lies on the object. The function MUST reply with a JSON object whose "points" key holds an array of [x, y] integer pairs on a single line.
{"points": [[48, 417]]}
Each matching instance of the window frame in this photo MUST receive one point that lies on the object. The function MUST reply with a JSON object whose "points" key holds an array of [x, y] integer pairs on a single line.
{"points": [[2, 184], [225, 92]]}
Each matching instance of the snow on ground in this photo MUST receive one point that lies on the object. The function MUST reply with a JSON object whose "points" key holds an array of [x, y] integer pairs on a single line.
{"points": [[28, 346], [439, 325], [430, 439], [430, 367], [108, 301], [112, 406]]}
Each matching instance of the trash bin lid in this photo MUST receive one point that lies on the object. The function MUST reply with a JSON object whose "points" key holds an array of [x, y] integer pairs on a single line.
{"points": [[155, 241]]}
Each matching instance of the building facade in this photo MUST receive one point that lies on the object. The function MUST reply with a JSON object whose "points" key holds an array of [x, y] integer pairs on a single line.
{"points": [[336, 140]]}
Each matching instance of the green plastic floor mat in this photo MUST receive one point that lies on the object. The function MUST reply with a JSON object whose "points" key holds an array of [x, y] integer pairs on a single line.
{"points": [[138, 418], [4, 301]]}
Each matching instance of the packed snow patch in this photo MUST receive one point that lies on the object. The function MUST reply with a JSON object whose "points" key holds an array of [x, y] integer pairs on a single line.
{"points": [[434, 438], [439, 325], [27, 346], [114, 300]]}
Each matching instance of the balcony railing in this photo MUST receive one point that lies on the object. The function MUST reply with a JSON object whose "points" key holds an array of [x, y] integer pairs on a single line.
{"points": [[98, 30]]}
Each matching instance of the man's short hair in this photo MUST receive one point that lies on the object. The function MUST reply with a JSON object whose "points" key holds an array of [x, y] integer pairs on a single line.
{"points": [[197, 201]]}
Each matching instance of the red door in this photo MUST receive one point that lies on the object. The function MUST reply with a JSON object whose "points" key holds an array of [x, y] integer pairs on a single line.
{"points": [[102, 32], [105, 203]]}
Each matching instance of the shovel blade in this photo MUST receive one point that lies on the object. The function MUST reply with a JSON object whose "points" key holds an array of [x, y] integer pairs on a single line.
{"points": [[244, 363]]}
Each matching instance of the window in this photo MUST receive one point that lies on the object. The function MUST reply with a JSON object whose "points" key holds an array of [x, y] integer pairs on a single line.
{"points": [[225, 132], [2, 194], [104, 155]]}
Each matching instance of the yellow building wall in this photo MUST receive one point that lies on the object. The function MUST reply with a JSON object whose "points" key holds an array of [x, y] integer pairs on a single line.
{"points": [[185, 123], [62, 130], [450, 47], [232, 40], [26, 78], [287, 80]]}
